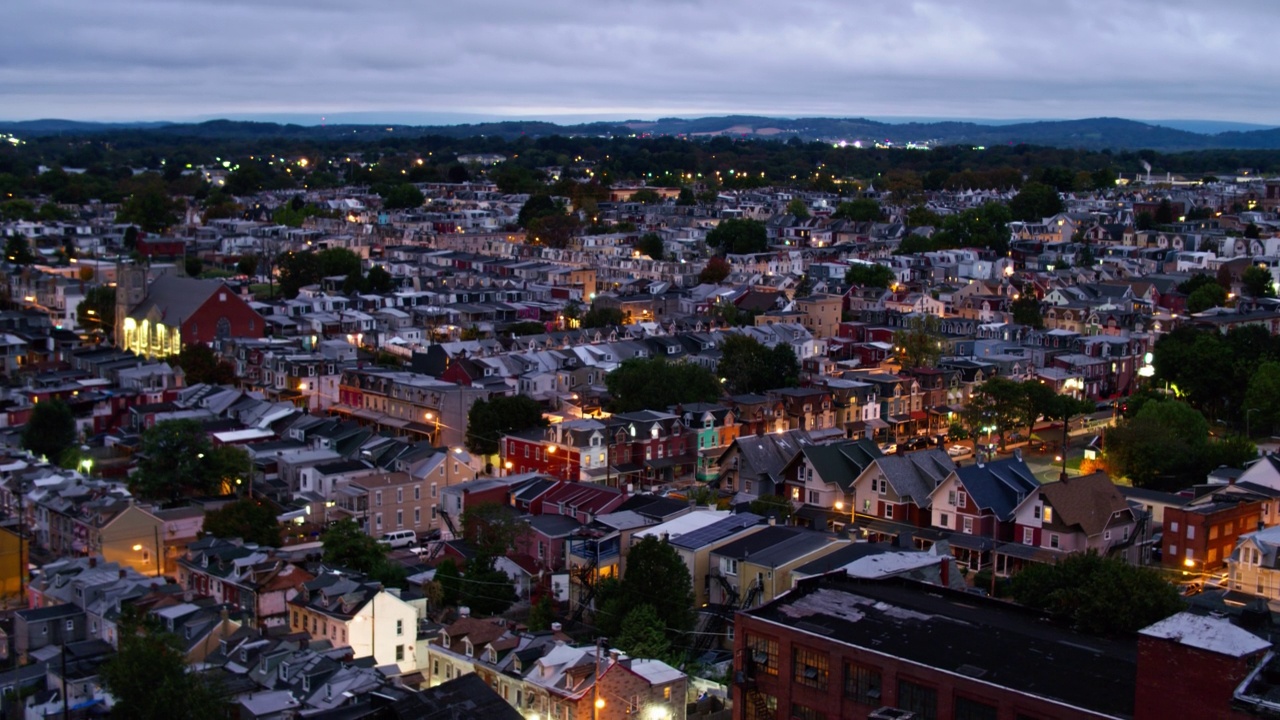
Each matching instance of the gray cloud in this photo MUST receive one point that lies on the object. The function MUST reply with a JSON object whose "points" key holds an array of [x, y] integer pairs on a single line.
{"points": [[174, 59]]}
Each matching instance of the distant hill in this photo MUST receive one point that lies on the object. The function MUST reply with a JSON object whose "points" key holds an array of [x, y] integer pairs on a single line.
{"points": [[1088, 134]]}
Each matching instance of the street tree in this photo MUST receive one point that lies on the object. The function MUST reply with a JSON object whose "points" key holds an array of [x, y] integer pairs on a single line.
{"points": [[1034, 202], [402, 197], [656, 576], [860, 210], [600, 316], [1262, 399], [248, 264], [1000, 403], [872, 275], [919, 343], [643, 634], [249, 519], [97, 311], [347, 545], [538, 206], [17, 249], [715, 271], [748, 366], [655, 383], [738, 236], [1026, 311], [150, 208], [50, 430], [492, 529], [1164, 446], [488, 420], [148, 677], [1105, 596], [177, 459], [201, 364], [651, 244], [798, 209], [1257, 282], [1206, 297]]}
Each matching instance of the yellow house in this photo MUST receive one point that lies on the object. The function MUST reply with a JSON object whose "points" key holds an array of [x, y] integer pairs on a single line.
{"points": [[13, 563], [131, 537], [821, 314]]}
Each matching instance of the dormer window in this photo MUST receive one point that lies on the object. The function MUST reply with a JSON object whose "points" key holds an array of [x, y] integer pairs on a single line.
{"points": [[284, 671], [444, 639], [468, 648]]}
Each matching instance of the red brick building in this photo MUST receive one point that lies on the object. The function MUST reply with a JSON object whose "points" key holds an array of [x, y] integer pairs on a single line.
{"points": [[837, 648], [1213, 656], [1201, 534]]}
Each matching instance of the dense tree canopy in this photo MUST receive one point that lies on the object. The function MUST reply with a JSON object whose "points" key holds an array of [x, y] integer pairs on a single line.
{"points": [[656, 384], [250, 519], [869, 275], [1097, 595], [600, 316], [919, 344], [1257, 282], [202, 365], [1034, 202], [749, 367], [1166, 446], [1026, 311], [149, 679], [489, 420], [739, 236], [715, 271], [859, 210], [177, 459], [402, 197], [50, 431], [98, 309], [651, 244], [657, 583], [346, 545]]}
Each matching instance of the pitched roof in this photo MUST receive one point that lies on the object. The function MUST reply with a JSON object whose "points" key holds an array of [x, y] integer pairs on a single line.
{"points": [[915, 475], [1089, 501], [176, 298], [998, 486]]}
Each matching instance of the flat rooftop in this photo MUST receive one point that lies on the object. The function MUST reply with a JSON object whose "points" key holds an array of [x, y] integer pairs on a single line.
{"points": [[991, 641]]}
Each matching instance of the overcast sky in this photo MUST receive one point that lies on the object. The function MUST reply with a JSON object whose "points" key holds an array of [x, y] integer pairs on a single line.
{"points": [[183, 59]]}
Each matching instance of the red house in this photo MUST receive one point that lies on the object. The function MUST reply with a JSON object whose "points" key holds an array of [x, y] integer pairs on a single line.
{"points": [[200, 311]]}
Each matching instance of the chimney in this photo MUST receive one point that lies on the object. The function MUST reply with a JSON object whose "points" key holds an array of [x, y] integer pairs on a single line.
{"points": [[464, 611], [121, 573], [773, 520], [93, 561], [556, 627]]}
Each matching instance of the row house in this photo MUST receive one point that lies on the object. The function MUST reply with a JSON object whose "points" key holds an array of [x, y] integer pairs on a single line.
{"points": [[542, 675], [810, 409], [751, 466], [898, 489], [821, 477], [348, 611], [244, 578], [980, 501], [713, 427], [755, 569], [1072, 515], [856, 406]]}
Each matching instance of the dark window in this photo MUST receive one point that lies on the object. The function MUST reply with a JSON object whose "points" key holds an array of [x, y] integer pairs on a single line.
{"points": [[810, 668], [921, 700], [223, 328], [967, 709], [862, 683], [764, 654], [800, 712]]}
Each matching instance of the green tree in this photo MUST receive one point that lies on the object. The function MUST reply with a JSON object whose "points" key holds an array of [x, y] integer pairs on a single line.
{"points": [[492, 529], [1257, 282], [488, 420], [1252, 231], [250, 519], [450, 581], [799, 209], [981, 227], [97, 311], [602, 317], [1026, 311], [150, 208], [656, 576], [1002, 404], [1164, 212], [149, 679], [1164, 446], [202, 365], [193, 266], [12, 210], [526, 327], [50, 430], [338, 262], [1097, 595], [655, 384], [378, 280], [747, 366], [346, 545], [1034, 202], [860, 210], [739, 236], [773, 506], [919, 343], [297, 270], [485, 589], [647, 196], [716, 270], [248, 264], [402, 197], [176, 459], [1262, 399], [651, 244], [869, 275], [1206, 297], [538, 206], [643, 634], [18, 250], [541, 614], [921, 216]]}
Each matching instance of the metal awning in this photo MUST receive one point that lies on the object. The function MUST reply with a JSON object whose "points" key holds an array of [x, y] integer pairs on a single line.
{"points": [[877, 424]]}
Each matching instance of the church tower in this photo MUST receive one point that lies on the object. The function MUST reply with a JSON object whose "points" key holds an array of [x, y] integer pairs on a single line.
{"points": [[131, 289]]}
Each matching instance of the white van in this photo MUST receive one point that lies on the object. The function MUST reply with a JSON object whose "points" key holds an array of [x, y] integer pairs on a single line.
{"points": [[399, 538]]}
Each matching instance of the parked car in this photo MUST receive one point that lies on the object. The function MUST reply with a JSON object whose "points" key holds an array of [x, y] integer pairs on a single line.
{"points": [[958, 450], [399, 538]]}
